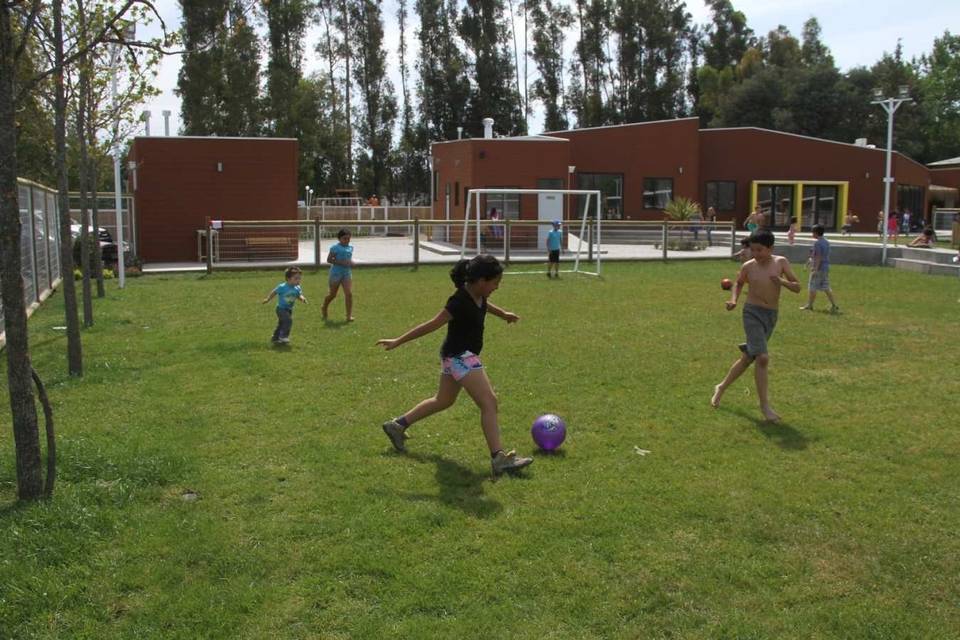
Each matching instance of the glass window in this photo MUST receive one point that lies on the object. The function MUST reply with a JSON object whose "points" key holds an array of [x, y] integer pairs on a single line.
{"points": [[722, 195], [657, 192], [910, 198], [456, 194], [819, 206], [506, 204], [610, 186], [776, 203]]}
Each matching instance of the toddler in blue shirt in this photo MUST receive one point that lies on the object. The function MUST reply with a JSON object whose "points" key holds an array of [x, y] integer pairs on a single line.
{"points": [[287, 293]]}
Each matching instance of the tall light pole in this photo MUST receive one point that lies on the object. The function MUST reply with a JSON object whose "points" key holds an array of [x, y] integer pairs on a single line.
{"points": [[890, 105], [129, 33]]}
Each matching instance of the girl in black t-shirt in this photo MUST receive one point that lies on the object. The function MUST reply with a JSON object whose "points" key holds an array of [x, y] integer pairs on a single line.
{"points": [[460, 365]]}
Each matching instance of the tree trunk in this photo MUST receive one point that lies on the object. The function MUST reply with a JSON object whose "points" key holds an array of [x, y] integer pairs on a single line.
{"points": [[22, 405], [97, 257], [82, 104], [74, 350]]}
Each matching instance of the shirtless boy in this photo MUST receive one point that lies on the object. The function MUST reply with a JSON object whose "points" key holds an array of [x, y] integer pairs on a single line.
{"points": [[766, 274]]}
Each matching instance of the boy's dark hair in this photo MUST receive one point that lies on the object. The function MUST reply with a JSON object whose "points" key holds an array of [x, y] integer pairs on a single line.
{"points": [[291, 271], [762, 236], [484, 267], [928, 231], [745, 242], [343, 232], [817, 230], [793, 220]]}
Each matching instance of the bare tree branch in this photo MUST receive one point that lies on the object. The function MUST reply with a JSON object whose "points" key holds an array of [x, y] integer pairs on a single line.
{"points": [[27, 27]]}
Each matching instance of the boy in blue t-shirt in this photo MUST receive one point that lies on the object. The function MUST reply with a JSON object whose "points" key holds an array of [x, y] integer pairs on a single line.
{"points": [[341, 260], [820, 271], [554, 243], [287, 293]]}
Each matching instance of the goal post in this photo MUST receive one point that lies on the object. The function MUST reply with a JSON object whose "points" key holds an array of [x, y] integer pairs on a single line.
{"points": [[472, 209]]}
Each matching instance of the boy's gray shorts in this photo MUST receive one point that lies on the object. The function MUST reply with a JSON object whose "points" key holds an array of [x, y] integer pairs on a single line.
{"points": [[758, 324]]}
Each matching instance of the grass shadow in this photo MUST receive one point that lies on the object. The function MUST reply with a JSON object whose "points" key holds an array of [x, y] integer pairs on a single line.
{"points": [[334, 324], [781, 433], [459, 487]]}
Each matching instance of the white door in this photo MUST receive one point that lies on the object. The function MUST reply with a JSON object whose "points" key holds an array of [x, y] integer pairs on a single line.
{"points": [[549, 207]]}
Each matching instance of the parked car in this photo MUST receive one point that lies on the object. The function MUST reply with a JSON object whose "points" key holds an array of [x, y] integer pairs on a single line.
{"points": [[108, 248]]}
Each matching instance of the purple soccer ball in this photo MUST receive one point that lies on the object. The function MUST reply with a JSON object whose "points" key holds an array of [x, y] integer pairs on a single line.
{"points": [[548, 431]]}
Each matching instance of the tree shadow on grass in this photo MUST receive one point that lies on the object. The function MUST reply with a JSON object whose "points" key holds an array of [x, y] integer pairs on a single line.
{"points": [[459, 487], [781, 433]]}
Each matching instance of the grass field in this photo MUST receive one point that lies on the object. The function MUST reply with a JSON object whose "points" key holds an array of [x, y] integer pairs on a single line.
{"points": [[841, 522]]}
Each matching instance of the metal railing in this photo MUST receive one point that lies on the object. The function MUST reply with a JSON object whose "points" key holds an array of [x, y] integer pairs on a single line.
{"points": [[256, 243], [39, 243]]}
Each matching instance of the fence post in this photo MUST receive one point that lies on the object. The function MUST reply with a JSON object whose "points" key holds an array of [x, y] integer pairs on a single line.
{"points": [[664, 239], [316, 242], [589, 239], [506, 241], [416, 243], [733, 239], [209, 246]]}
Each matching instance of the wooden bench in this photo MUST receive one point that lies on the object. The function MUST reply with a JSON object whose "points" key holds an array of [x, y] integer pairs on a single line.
{"points": [[257, 244]]}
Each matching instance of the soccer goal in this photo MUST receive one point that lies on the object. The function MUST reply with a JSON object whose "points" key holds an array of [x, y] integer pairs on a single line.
{"points": [[550, 206]]}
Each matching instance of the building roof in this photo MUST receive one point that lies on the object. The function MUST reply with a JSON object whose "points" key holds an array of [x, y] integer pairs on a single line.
{"points": [[800, 135], [507, 139], [614, 126], [209, 138], [949, 162]]}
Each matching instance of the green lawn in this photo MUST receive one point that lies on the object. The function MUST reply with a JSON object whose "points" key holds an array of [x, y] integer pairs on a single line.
{"points": [[839, 523]]}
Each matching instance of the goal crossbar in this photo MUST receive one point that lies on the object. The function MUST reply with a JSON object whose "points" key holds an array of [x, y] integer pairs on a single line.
{"points": [[473, 196]]}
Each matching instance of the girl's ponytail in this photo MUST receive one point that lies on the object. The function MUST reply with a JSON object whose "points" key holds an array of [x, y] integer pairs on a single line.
{"points": [[483, 267], [459, 273]]}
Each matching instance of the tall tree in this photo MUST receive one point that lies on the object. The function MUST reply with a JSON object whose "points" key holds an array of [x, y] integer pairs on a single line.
{"points": [[550, 21], [727, 35], [589, 89], [940, 95], [201, 81], [219, 81], [241, 73], [335, 168], [286, 24], [492, 92], [410, 177], [379, 110], [651, 40], [813, 52], [444, 84], [17, 21]]}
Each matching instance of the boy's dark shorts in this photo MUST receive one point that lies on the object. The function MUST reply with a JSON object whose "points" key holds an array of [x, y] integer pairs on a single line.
{"points": [[758, 324], [554, 256]]}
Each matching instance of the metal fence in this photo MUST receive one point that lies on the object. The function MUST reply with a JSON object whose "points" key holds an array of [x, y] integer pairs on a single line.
{"points": [[39, 243], [246, 244]]}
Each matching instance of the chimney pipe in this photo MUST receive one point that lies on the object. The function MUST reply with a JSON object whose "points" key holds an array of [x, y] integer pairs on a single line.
{"points": [[146, 121], [166, 122], [488, 127]]}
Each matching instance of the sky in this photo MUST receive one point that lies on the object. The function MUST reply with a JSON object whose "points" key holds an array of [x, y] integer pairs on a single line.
{"points": [[857, 33]]}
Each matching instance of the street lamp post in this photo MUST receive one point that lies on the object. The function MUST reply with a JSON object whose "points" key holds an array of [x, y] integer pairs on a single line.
{"points": [[128, 33], [890, 105]]}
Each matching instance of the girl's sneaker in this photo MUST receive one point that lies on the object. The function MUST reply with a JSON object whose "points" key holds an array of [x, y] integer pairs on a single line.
{"points": [[508, 461], [396, 433]]}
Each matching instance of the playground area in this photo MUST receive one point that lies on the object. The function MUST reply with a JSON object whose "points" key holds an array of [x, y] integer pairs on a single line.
{"points": [[211, 485]]}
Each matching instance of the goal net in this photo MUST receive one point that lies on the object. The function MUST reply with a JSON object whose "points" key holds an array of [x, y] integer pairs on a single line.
{"points": [[522, 240]]}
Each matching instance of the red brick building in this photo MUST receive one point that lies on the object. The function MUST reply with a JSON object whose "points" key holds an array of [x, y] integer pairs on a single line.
{"points": [[179, 182], [639, 167]]}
